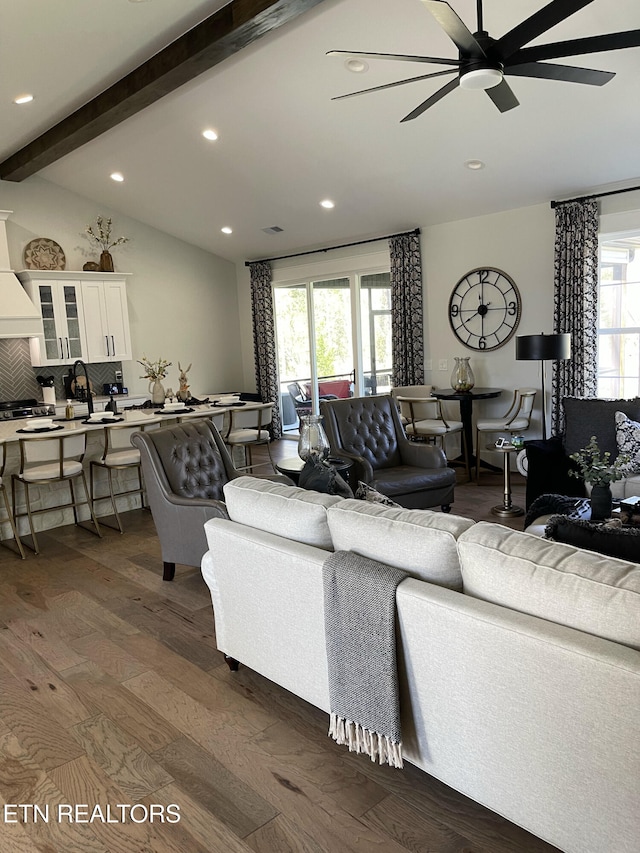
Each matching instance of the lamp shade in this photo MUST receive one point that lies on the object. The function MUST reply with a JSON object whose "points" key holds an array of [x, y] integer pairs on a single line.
{"points": [[543, 347]]}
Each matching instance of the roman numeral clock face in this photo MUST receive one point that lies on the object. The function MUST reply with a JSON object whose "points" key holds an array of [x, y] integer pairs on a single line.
{"points": [[484, 309]]}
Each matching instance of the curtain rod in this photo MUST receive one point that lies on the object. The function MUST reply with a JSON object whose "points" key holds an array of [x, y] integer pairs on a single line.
{"points": [[594, 195], [331, 248]]}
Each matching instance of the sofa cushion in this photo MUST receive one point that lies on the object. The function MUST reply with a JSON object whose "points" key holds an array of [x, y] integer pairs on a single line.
{"points": [[585, 417], [590, 592], [277, 508], [421, 542]]}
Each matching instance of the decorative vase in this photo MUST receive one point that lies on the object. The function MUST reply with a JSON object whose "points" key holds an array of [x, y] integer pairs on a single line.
{"points": [[462, 378], [313, 442], [106, 262], [156, 389], [601, 503]]}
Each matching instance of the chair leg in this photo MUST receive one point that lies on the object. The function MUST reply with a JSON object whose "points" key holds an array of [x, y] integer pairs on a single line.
{"points": [[113, 500], [89, 503], [34, 546], [271, 457], [12, 523], [169, 571], [477, 457]]}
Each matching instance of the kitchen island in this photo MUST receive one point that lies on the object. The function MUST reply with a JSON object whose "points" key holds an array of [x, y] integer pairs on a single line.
{"points": [[46, 495]]}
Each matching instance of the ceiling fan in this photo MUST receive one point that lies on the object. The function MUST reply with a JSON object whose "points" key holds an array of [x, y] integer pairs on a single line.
{"points": [[483, 62]]}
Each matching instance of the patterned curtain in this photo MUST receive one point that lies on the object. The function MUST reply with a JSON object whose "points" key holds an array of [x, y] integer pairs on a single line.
{"points": [[264, 339], [407, 317], [575, 300]]}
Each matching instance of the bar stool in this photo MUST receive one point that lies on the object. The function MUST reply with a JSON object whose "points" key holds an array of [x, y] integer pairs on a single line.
{"points": [[119, 455], [248, 428], [5, 498], [45, 460]]}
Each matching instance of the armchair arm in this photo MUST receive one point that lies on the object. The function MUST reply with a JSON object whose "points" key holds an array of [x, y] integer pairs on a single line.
{"points": [[421, 455], [362, 468]]}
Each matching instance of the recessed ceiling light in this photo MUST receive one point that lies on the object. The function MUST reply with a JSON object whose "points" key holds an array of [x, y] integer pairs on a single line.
{"points": [[23, 99], [474, 165], [327, 203], [357, 66], [227, 230], [210, 134], [137, 1], [117, 176]]}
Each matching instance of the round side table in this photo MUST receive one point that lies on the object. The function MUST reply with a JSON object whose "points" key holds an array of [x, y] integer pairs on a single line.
{"points": [[506, 509]]}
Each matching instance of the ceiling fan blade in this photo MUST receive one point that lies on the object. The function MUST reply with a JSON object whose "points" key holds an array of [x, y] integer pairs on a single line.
{"points": [[503, 97], [577, 47], [568, 73], [393, 85], [454, 27], [403, 57], [448, 87], [537, 24]]}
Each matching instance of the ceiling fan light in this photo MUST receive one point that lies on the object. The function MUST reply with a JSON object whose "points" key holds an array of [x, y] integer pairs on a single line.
{"points": [[481, 78]]}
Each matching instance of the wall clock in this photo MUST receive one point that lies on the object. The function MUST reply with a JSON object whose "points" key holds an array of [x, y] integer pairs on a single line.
{"points": [[484, 309]]}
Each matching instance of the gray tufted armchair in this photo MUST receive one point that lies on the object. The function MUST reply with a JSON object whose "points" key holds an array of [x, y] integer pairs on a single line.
{"points": [[185, 467], [368, 431]]}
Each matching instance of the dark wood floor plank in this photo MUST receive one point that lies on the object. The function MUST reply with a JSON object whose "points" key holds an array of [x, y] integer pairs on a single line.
{"points": [[48, 745], [47, 688], [104, 695], [23, 781], [281, 835], [120, 757], [199, 686], [416, 832], [214, 787], [82, 781]]}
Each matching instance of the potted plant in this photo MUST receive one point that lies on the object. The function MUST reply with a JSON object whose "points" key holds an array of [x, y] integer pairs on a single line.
{"points": [[154, 371], [102, 236], [597, 469]]}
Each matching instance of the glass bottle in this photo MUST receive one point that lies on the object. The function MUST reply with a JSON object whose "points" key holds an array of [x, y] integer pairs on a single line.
{"points": [[68, 412], [462, 378], [313, 442]]}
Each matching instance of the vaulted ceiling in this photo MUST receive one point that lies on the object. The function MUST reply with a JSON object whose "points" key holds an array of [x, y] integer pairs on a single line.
{"points": [[283, 145]]}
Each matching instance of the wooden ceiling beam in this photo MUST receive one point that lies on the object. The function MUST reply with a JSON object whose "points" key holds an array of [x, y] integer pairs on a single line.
{"points": [[224, 33]]}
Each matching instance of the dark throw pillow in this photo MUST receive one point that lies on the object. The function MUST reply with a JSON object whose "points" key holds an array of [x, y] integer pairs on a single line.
{"points": [[319, 477], [620, 542]]}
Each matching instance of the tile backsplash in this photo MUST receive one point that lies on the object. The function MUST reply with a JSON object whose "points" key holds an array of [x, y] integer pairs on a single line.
{"points": [[18, 377]]}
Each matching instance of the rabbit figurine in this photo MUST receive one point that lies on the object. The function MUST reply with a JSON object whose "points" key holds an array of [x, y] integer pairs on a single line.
{"points": [[183, 391]]}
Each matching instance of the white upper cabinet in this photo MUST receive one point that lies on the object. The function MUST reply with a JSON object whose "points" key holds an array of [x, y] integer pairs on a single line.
{"points": [[84, 315], [106, 320]]}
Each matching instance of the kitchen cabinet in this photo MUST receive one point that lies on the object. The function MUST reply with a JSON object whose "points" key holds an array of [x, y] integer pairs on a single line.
{"points": [[106, 320], [84, 315]]}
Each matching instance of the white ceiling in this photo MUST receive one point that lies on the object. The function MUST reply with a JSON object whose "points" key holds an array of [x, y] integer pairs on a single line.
{"points": [[284, 145]]}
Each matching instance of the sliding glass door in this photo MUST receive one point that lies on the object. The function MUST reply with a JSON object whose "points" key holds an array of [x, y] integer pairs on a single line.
{"points": [[333, 339]]}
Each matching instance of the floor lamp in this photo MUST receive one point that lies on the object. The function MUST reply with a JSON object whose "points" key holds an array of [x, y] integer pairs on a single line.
{"points": [[543, 348]]}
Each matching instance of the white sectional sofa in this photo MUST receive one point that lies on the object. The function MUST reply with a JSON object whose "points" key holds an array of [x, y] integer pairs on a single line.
{"points": [[519, 658]]}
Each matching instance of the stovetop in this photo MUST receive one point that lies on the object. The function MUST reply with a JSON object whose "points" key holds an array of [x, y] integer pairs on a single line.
{"points": [[29, 408]]}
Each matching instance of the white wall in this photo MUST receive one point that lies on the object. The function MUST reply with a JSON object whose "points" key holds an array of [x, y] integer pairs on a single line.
{"points": [[183, 301]]}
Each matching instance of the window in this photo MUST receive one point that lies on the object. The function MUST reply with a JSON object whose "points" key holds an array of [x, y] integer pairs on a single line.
{"points": [[619, 317]]}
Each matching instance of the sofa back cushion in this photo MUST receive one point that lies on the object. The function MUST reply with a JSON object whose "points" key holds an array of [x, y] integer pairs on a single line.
{"points": [[580, 589], [585, 417], [421, 542], [281, 509]]}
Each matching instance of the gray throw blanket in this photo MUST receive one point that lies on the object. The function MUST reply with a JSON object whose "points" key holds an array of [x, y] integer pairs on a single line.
{"points": [[359, 607]]}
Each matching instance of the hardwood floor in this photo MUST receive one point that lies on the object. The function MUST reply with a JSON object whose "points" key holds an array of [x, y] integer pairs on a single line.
{"points": [[112, 692]]}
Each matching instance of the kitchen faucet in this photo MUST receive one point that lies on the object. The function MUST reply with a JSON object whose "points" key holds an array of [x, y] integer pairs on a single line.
{"points": [[86, 376]]}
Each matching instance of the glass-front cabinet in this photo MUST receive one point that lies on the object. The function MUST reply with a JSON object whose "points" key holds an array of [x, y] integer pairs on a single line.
{"points": [[59, 304], [84, 315]]}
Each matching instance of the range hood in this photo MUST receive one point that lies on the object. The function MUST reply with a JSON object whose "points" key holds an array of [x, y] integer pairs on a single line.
{"points": [[19, 317]]}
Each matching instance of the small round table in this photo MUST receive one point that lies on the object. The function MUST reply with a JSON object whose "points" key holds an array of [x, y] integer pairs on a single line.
{"points": [[466, 398], [507, 509], [293, 465]]}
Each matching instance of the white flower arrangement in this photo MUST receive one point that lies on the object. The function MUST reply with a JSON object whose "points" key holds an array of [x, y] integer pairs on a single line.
{"points": [[154, 369], [102, 234]]}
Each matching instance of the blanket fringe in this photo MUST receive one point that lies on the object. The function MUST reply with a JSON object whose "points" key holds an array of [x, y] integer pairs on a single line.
{"points": [[358, 739]]}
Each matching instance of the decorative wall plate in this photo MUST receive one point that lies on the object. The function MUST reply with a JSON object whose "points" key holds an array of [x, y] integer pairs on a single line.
{"points": [[43, 254]]}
